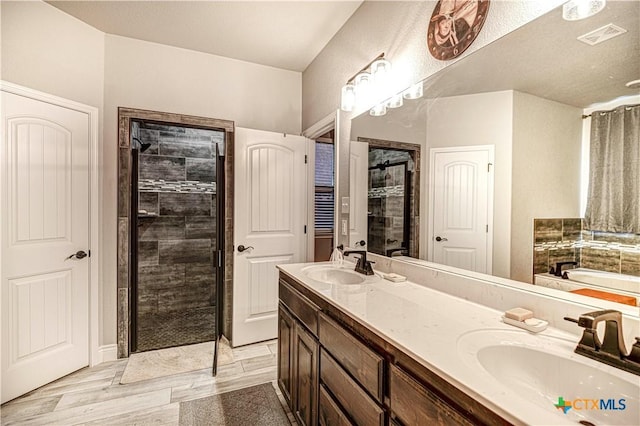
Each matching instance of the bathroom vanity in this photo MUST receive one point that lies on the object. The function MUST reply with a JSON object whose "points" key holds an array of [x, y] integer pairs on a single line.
{"points": [[364, 350]]}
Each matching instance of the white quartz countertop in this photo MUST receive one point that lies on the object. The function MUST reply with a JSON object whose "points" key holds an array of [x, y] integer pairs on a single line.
{"points": [[428, 325]]}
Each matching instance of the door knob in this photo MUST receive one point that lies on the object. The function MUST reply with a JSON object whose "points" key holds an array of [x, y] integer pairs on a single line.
{"points": [[242, 248], [441, 239], [361, 243], [80, 254]]}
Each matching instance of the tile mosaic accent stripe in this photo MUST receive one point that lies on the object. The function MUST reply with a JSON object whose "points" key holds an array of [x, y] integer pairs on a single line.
{"points": [[557, 240], [161, 185], [386, 191]]}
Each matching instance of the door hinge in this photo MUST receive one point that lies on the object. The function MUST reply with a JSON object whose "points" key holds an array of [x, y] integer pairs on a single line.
{"points": [[305, 229], [219, 258], [487, 228], [89, 253], [489, 167], [306, 158]]}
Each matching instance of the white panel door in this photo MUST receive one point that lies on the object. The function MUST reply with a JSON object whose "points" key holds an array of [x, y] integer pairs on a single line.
{"points": [[461, 198], [45, 218], [270, 210], [358, 191]]}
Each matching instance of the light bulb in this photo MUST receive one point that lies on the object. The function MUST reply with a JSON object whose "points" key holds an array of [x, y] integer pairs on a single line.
{"points": [[381, 70], [395, 101], [413, 92], [378, 110], [580, 9], [348, 98]]}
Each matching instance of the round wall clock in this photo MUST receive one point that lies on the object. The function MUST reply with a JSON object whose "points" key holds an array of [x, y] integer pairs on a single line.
{"points": [[454, 25]]}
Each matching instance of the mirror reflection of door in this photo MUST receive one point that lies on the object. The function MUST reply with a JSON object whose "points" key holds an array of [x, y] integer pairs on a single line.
{"points": [[461, 196]]}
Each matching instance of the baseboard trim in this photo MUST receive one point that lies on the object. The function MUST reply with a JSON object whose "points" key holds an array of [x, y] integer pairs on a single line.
{"points": [[107, 353]]}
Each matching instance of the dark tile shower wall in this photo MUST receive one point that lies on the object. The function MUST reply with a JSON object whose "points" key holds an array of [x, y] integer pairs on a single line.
{"points": [[176, 236], [559, 240], [386, 201]]}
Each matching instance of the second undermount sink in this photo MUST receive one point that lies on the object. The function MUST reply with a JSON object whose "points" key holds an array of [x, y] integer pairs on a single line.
{"points": [[342, 275], [545, 371]]}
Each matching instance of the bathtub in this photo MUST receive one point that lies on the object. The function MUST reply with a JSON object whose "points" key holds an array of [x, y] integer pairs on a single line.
{"points": [[607, 280], [619, 288]]}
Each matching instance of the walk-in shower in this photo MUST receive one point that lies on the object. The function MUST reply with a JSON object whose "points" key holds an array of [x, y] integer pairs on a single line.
{"points": [[174, 245], [390, 202]]}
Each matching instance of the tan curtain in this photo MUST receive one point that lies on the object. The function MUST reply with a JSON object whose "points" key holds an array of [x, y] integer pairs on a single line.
{"points": [[613, 202]]}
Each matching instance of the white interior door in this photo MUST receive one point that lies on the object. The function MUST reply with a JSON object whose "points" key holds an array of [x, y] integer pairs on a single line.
{"points": [[461, 199], [45, 218], [359, 188], [270, 210]]}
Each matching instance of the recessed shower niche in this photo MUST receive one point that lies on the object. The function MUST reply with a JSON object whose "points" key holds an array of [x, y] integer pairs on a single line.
{"points": [[176, 234]]}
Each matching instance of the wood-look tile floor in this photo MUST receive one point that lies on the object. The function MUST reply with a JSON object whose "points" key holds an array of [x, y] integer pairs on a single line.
{"points": [[94, 396]]}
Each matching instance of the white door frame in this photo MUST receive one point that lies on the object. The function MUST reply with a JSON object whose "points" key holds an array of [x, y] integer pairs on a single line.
{"points": [[490, 190], [312, 133], [96, 355]]}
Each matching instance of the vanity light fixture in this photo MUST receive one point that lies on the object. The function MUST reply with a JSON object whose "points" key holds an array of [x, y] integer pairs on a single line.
{"points": [[580, 9], [369, 85]]}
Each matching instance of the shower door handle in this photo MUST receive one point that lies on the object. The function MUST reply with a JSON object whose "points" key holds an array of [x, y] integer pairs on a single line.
{"points": [[242, 248]]}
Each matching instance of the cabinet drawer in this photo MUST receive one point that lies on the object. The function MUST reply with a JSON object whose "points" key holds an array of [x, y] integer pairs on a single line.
{"points": [[300, 306], [361, 362], [329, 413], [414, 404], [360, 407]]}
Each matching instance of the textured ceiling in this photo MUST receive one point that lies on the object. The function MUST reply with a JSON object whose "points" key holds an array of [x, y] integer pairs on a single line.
{"points": [[544, 58], [286, 34]]}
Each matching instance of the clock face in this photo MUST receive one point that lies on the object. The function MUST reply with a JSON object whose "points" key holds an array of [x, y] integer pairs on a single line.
{"points": [[454, 25]]}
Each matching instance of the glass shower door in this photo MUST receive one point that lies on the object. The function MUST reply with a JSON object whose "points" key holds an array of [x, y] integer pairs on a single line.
{"points": [[177, 220]]}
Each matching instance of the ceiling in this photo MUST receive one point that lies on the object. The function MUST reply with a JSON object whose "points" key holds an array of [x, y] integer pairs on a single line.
{"points": [[284, 34], [544, 58]]}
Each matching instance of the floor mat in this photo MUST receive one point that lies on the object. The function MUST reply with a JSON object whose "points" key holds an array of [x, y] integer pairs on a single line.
{"points": [[255, 405]]}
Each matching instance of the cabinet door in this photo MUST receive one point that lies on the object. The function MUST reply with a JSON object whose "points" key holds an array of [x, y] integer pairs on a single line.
{"points": [[414, 404], [285, 355], [329, 412], [305, 376]]}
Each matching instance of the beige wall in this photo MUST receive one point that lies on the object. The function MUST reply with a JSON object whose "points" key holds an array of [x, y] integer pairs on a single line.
{"points": [[547, 138], [48, 50], [481, 119], [53, 52], [139, 74], [398, 29]]}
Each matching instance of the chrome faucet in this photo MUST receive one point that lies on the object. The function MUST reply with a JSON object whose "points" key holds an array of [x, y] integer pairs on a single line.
{"points": [[611, 350], [363, 265]]}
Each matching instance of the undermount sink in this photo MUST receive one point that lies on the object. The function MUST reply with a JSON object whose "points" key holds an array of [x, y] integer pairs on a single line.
{"points": [[542, 369], [342, 275]]}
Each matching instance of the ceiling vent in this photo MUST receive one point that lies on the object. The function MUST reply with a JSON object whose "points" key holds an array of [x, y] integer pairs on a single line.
{"points": [[601, 34]]}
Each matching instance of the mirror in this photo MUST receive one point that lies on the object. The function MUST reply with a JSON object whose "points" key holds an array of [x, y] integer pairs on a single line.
{"points": [[516, 105]]}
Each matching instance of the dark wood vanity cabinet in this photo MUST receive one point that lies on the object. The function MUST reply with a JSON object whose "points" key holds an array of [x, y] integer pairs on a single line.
{"points": [[305, 376], [286, 331], [334, 371], [414, 404], [298, 352]]}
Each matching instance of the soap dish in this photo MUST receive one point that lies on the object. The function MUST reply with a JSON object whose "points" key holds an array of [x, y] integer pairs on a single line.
{"points": [[396, 278], [533, 325]]}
